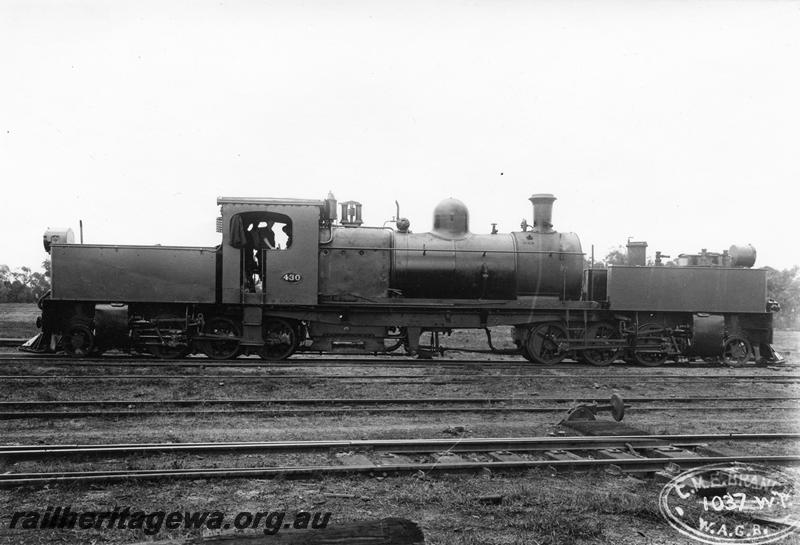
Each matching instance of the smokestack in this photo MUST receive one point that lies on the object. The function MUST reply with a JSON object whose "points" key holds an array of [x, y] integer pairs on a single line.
{"points": [[542, 212]]}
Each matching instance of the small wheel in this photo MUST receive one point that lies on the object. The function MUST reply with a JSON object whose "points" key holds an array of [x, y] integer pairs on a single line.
{"points": [[648, 342], [521, 334], [220, 349], [280, 340], [602, 334], [736, 351], [79, 341], [545, 344]]}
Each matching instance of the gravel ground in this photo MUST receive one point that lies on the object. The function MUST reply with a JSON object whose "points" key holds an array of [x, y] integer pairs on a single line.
{"points": [[535, 507]]}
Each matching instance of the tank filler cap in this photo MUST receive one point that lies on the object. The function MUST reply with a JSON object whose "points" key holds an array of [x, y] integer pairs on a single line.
{"points": [[451, 219]]}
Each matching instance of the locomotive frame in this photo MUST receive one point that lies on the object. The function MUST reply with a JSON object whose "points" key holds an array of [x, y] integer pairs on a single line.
{"points": [[346, 288]]}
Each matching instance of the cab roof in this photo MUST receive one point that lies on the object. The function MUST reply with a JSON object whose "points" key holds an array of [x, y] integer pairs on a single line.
{"points": [[269, 200]]}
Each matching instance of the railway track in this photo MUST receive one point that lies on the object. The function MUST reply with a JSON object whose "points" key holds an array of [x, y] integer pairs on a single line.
{"points": [[388, 401], [640, 453], [27, 452], [400, 361], [10, 410], [428, 378]]}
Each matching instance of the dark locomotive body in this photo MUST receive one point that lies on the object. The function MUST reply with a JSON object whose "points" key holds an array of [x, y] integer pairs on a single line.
{"points": [[289, 277]]}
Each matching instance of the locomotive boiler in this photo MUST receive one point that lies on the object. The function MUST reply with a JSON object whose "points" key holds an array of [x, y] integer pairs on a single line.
{"points": [[450, 262], [291, 275]]}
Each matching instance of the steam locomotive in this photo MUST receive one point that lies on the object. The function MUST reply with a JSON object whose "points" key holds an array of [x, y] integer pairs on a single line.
{"points": [[291, 276]]}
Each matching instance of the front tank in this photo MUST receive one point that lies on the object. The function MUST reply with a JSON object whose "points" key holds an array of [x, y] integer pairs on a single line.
{"points": [[450, 262], [549, 264]]}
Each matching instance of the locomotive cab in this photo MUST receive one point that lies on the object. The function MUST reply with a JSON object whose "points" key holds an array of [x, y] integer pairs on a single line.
{"points": [[269, 250]]}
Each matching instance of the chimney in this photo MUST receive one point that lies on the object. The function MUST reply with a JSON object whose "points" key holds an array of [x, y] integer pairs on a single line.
{"points": [[542, 212]]}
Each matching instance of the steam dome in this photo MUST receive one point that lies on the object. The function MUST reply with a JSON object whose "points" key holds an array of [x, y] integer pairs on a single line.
{"points": [[451, 219]]}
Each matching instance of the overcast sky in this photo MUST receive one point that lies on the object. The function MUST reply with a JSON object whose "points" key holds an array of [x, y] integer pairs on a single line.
{"points": [[672, 122]]}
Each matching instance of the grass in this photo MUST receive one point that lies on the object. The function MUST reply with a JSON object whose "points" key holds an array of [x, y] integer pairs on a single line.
{"points": [[537, 507], [18, 320]]}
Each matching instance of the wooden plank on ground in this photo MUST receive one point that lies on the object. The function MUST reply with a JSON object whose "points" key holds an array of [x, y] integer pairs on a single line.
{"points": [[615, 454], [355, 460], [449, 459], [667, 452], [389, 458], [602, 427], [562, 455], [504, 456]]}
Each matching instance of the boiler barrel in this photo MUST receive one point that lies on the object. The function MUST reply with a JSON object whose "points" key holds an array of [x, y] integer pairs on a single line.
{"points": [[473, 267], [501, 266]]}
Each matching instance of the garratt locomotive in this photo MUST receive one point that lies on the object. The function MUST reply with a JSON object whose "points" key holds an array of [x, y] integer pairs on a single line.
{"points": [[290, 276]]}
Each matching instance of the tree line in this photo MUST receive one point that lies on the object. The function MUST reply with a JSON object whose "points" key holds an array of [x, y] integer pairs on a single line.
{"points": [[24, 285]]}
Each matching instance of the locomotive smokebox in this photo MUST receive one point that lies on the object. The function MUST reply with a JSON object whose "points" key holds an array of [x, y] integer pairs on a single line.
{"points": [[542, 212]]}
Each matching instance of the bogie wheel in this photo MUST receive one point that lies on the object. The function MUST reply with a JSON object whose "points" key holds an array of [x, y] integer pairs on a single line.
{"points": [[220, 349], [736, 351], [280, 340], [545, 344], [521, 341], [79, 341], [602, 334], [648, 344], [523, 350], [525, 354]]}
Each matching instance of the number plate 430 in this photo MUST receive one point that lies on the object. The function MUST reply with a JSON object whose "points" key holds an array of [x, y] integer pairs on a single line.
{"points": [[292, 277]]}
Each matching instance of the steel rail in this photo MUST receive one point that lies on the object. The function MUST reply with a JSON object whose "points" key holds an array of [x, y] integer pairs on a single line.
{"points": [[387, 400], [340, 411], [307, 472], [443, 376], [400, 360], [393, 445]]}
